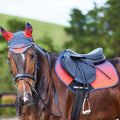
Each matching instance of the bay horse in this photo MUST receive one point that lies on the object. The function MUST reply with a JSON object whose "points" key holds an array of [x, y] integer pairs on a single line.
{"points": [[40, 93]]}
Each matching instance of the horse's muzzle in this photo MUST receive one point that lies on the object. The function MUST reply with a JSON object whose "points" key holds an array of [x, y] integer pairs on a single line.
{"points": [[27, 99]]}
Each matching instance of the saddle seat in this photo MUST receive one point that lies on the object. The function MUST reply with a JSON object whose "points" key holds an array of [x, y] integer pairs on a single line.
{"points": [[82, 66], [96, 55]]}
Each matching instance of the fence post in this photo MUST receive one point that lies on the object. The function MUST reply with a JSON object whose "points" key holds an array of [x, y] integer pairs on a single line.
{"points": [[6, 105]]}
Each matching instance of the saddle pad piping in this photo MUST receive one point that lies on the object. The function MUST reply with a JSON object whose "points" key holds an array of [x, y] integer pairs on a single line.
{"points": [[70, 78]]}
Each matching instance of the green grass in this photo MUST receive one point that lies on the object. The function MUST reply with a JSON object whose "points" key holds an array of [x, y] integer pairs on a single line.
{"points": [[40, 29], [8, 111]]}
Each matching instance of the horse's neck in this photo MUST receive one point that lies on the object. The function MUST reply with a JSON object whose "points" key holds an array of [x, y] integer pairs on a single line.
{"points": [[44, 81], [46, 90]]}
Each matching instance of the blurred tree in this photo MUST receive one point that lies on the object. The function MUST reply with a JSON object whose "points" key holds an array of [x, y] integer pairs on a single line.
{"points": [[77, 23], [84, 30], [77, 30], [93, 27], [98, 28], [47, 43], [110, 23], [3, 46], [16, 25]]}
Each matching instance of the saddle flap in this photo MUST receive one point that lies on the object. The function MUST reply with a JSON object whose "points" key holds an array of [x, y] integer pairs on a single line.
{"points": [[81, 70], [69, 65], [84, 72]]}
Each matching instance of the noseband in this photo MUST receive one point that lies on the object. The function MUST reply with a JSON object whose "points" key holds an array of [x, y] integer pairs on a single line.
{"points": [[23, 76]]}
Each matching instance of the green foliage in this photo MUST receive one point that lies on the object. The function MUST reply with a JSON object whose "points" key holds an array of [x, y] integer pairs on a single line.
{"points": [[77, 30], [48, 43], [5, 77], [16, 25], [110, 24], [98, 28], [3, 46], [77, 24], [7, 111], [83, 30]]}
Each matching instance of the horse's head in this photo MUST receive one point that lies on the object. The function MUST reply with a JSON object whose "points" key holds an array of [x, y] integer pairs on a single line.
{"points": [[21, 57]]}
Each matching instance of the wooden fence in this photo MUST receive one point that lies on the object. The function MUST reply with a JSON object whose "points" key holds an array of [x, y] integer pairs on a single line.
{"points": [[7, 95]]}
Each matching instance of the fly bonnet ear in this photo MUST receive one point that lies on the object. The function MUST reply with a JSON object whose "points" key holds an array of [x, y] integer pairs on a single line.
{"points": [[7, 35], [28, 31]]}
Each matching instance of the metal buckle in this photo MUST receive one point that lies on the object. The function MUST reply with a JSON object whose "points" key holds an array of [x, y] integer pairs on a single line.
{"points": [[80, 87]]}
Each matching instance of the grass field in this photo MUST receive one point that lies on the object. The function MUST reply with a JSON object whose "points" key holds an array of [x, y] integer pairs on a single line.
{"points": [[40, 29]]}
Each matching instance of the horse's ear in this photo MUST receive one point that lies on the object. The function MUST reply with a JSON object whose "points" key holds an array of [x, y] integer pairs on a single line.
{"points": [[7, 35], [28, 31]]}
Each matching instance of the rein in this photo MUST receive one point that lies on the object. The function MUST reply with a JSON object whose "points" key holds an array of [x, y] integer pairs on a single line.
{"points": [[22, 76]]}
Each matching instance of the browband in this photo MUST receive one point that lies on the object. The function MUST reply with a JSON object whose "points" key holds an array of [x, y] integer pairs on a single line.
{"points": [[22, 46]]}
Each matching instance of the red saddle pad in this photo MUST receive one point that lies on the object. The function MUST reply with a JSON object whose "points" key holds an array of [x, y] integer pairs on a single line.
{"points": [[101, 81]]}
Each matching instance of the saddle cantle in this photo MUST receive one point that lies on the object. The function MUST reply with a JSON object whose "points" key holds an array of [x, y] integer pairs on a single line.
{"points": [[81, 66]]}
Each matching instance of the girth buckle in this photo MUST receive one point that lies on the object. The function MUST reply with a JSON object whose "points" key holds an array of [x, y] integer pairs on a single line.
{"points": [[80, 87]]}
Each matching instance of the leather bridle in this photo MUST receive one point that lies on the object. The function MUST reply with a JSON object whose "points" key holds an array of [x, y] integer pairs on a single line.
{"points": [[23, 76]]}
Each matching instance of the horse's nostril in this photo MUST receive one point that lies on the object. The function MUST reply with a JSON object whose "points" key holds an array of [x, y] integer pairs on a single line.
{"points": [[27, 102], [28, 96], [27, 99]]}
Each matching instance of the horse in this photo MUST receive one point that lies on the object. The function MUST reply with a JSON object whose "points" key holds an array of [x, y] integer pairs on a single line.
{"points": [[40, 93]]}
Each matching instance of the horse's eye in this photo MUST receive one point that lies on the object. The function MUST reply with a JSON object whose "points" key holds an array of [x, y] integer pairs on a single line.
{"points": [[32, 56]]}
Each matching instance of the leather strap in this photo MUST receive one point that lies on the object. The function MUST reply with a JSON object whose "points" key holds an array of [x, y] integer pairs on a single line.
{"points": [[22, 75], [55, 92], [77, 106]]}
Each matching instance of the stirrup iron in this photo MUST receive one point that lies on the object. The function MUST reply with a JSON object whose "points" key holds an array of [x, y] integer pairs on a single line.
{"points": [[86, 112]]}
